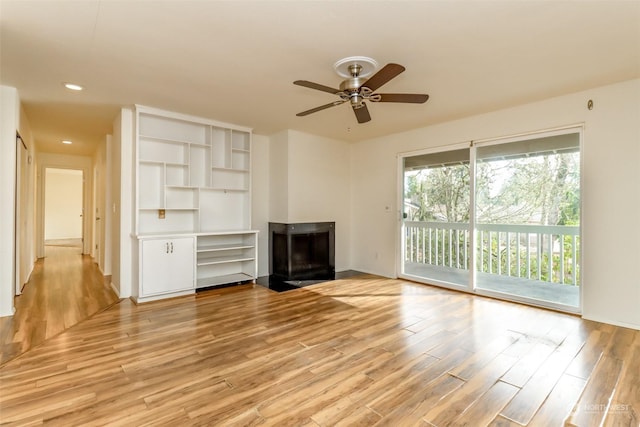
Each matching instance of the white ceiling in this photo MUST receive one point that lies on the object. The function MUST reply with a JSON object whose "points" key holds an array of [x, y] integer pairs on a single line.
{"points": [[235, 61]]}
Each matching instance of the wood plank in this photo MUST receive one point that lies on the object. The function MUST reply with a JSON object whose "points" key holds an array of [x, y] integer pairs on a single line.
{"points": [[345, 412], [348, 371], [625, 405], [590, 354], [414, 388], [411, 412], [593, 405], [524, 369], [500, 421], [451, 406], [558, 405], [486, 408], [388, 392], [527, 402], [484, 356]]}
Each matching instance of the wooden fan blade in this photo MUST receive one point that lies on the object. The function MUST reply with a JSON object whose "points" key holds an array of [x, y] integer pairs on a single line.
{"points": [[362, 114], [320, 108], [385, 74], [316, 86], [414, 98]]}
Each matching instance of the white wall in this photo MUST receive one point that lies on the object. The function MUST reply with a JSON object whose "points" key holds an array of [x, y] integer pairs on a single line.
{"points": [[9, 123], [309, 181], [26, 206], [278, 177], [101, 250], [114, 208], [610, 190], [260, 199], [123, 267], [63, 204], [121, 191], [320, 187], [106, 252]]}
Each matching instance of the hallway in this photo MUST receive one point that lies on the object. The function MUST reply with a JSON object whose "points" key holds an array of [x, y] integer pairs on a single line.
{"points": [[65, 288]]}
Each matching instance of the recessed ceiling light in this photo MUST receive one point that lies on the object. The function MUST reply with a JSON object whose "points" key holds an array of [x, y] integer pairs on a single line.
{"points": [[66, 141], [73, 86]]}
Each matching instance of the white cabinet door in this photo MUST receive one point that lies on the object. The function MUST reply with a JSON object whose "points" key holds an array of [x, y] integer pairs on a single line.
{"points": [[167, 265]]}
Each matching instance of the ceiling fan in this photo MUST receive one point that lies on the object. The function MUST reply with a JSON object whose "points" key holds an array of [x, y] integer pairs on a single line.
{"points": [[357, 88]]}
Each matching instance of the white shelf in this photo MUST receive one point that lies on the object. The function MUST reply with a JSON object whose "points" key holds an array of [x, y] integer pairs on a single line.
{"points": [[181, 209], [235, 190], [222, 260], [222, 280], [216, 248], [161, 163], [162, 139], [230, 170]]}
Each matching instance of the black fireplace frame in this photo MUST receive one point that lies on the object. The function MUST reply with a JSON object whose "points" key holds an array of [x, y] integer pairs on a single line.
{"points": [[283, 239]]}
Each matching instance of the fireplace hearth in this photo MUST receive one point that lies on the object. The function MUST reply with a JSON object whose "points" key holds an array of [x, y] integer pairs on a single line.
{"points": [[302, 251]]}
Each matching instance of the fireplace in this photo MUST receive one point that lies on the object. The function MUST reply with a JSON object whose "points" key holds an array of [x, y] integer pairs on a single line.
{"points": [[302, 251]]}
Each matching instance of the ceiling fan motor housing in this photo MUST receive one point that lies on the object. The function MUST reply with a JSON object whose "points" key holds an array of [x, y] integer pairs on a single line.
{"points": [[350, 91]]}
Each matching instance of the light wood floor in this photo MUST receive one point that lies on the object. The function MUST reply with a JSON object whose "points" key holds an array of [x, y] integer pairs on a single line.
{"points": [[65, 288], [359, 351]]}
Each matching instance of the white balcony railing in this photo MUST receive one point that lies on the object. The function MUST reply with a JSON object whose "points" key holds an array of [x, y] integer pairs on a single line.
{"points": [[536, 252]]}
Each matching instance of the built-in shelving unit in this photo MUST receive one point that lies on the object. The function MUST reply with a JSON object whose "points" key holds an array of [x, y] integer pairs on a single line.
{"points": [[225, 257], [196, 171], [193, 178]]}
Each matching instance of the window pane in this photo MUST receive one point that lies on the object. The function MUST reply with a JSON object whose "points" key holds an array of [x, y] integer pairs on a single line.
{"points": [[436, 225], [528, 217]]}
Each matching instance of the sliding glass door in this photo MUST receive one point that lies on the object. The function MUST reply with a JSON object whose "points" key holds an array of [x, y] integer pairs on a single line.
{"points": [[435, 230], [500, 218]]}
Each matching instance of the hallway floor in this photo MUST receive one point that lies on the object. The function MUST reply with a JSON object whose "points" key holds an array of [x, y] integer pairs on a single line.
{"points": [[65, 288]]}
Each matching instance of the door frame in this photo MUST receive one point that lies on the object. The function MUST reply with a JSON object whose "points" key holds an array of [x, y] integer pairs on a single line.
{"points": [[22, 157], [61, 161]]}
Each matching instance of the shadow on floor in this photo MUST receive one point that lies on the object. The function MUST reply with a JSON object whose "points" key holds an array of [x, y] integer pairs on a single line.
{"points": [[279, 285]]}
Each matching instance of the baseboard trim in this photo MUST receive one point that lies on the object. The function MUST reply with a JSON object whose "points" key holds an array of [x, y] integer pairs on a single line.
{"points": [[611, 322], [115, 289]]}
